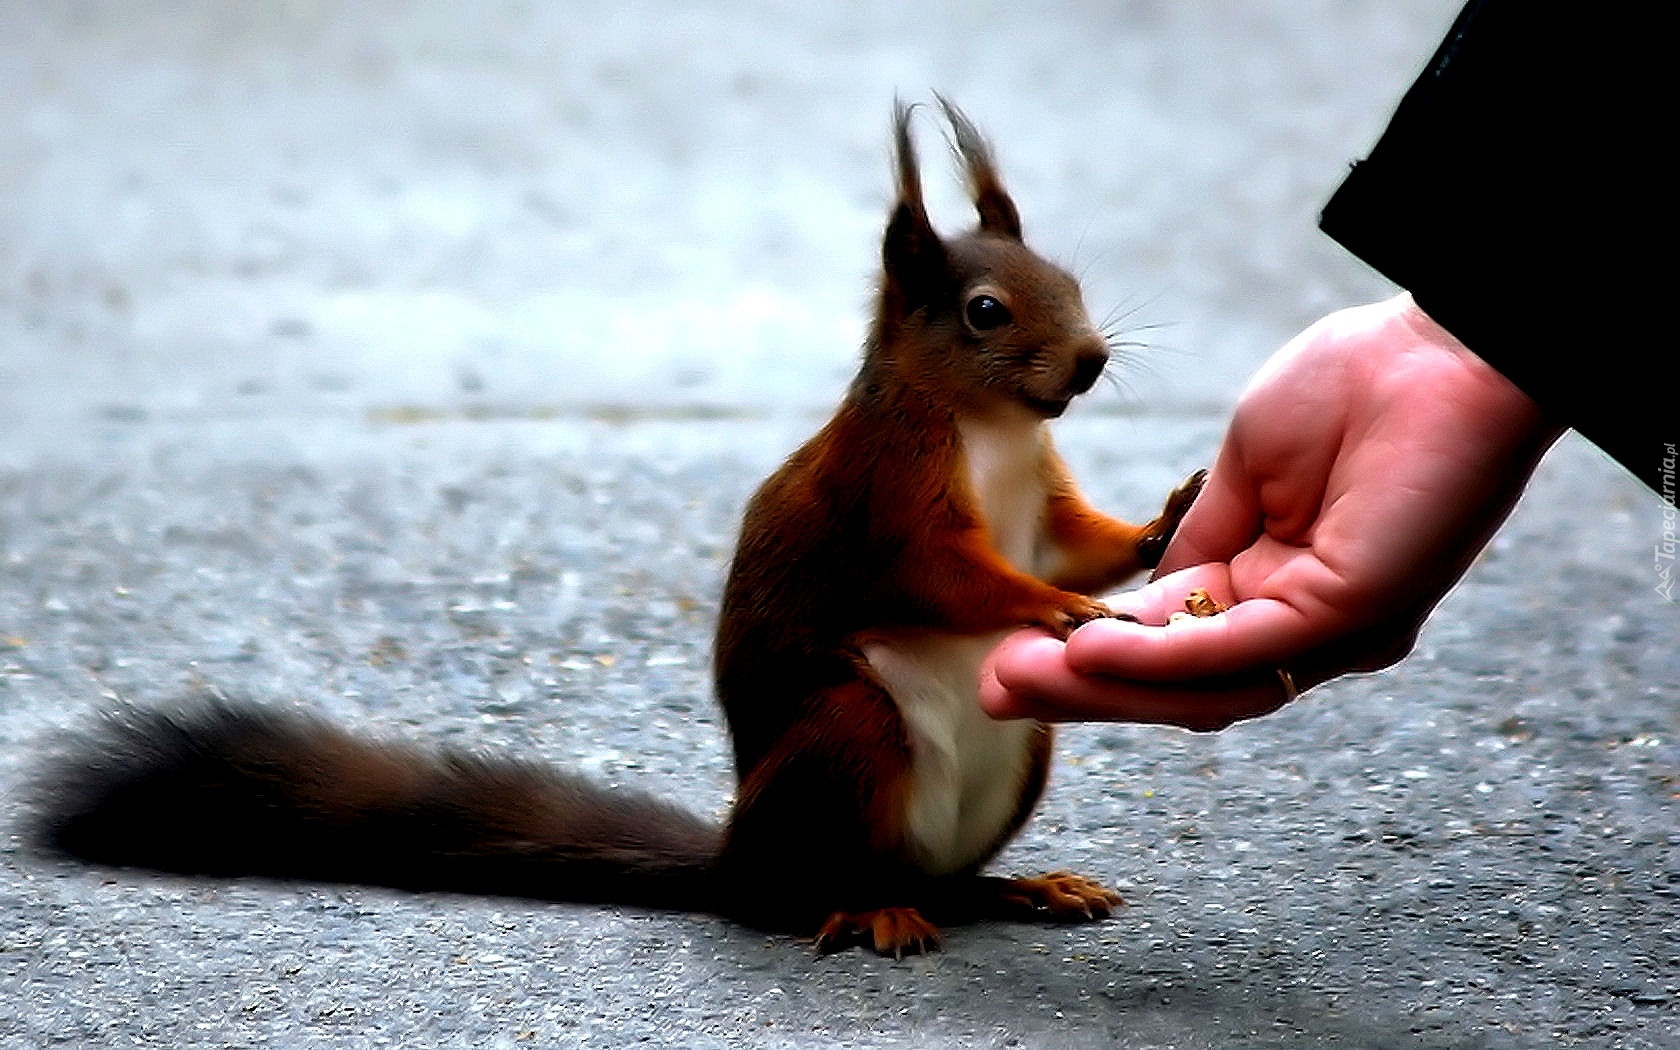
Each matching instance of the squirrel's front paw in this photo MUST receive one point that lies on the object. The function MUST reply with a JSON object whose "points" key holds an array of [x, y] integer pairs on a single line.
{"points": [[1075, 612], [1153, 543]]}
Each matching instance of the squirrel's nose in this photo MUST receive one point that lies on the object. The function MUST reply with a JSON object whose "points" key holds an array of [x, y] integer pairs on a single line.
{"points": [[1087, 366]]}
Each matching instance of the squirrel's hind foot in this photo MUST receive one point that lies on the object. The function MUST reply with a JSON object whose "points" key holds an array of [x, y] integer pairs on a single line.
{"points": [[890, 931]]}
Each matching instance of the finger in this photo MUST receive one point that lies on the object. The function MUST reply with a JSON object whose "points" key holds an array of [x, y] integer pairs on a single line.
{"points": [[1204, 706], [1253, 635], [1224, 519], [1028, 655], [1155, 602]]}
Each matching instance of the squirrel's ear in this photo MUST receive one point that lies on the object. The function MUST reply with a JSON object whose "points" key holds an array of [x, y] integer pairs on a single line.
{"points": [[911, 252], [997, 211]]}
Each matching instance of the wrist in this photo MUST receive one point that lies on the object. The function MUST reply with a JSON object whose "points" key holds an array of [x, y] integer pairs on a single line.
{"points": [[1490, 391]]}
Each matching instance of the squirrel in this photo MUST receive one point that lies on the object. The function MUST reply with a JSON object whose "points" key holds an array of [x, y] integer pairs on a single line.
{"points": [[875, 569]]}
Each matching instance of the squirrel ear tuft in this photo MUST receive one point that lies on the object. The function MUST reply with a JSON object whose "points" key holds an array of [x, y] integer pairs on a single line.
{"points": [[911, 252], [997, 211]]}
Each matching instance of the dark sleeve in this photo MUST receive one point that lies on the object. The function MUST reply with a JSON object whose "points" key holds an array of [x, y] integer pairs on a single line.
{"points": [[1518, 194]]}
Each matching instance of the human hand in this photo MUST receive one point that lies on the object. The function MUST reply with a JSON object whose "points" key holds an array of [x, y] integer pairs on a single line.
{"points": [[1365, 466]]}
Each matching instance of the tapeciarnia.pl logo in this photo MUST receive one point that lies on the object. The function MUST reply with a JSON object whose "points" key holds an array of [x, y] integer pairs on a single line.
{"points": [[1666, 546]]}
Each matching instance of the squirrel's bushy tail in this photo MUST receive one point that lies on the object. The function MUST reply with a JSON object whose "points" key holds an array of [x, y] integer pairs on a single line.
{"points": [[222, 789]]}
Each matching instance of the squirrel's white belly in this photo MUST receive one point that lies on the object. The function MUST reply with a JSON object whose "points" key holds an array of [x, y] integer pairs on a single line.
{"points": [[967, 770]]}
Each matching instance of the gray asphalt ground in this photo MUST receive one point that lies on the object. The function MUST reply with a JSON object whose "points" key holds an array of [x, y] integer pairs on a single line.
{"points": [[411, 362]]}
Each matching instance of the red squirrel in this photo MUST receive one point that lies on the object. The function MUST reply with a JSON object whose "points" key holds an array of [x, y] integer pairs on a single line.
{"points": [[875, 568]]}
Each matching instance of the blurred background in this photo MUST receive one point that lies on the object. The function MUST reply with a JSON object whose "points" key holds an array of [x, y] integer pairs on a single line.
{"points": [[311, 206]]}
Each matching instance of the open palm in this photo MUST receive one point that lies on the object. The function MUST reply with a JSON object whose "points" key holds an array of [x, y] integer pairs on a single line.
{"points": [[1365, 466]]}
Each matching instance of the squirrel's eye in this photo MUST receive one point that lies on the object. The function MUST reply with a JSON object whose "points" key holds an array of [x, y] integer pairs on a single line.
{"points": [[985, 313]]}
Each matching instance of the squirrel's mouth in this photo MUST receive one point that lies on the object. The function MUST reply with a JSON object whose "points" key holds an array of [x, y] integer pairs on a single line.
{"points": [[1087, 369], [1049, 408]]}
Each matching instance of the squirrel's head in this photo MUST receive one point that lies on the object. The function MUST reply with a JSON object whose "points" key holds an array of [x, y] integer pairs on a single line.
{"points": [[978, 318]]}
